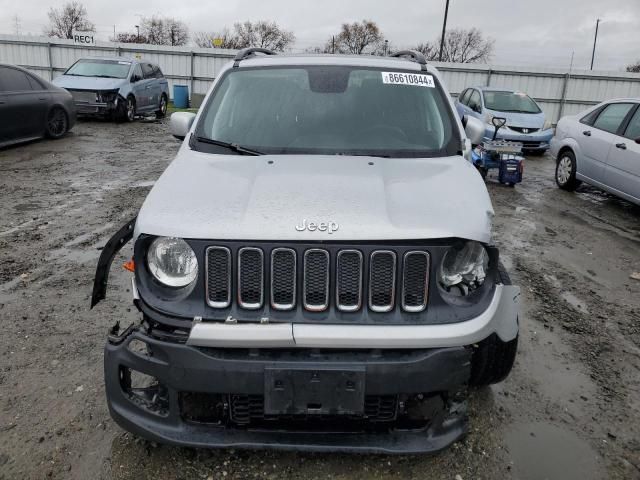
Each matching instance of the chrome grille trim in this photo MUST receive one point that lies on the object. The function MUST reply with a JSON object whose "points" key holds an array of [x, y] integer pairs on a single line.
{"points": [[380, 307], [339, 287], [241, 281], [227, 301], [321, 306], [294, 285], [422, 290]]}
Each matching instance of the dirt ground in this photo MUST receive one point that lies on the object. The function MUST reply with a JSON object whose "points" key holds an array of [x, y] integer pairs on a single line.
{"points": [[570, 409]]}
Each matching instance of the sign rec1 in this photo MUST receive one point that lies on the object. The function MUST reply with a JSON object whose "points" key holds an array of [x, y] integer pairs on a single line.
{"points": [[83, 38]]}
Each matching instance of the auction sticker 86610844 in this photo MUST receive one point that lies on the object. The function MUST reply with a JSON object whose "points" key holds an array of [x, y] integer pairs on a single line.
{"points": [[401, 78]]}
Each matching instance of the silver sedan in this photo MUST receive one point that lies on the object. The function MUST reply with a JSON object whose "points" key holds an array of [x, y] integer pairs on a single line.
{"points": [[601, 147]]}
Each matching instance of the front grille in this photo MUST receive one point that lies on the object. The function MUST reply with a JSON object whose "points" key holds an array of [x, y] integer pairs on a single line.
{"points": [[382, 281], [317, 279], [83, 96], [250, 278], [315, 284], [522, 129]]}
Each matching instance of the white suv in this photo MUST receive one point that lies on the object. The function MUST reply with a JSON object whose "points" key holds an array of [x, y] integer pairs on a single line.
{"points": [[315, 268]]}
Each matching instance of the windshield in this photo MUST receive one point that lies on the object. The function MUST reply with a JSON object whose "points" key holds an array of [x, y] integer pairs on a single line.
{"points": [[100, 68], [329, 110], [510, 102]]}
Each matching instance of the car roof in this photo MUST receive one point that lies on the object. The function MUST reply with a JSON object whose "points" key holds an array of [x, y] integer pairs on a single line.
{"points": [[331, 59]]}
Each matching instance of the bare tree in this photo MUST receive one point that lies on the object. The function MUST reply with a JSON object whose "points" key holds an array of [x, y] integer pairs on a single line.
{"points": [[224, 39], [72, 16], [164, 31], [263, 34], [460, 46], [634, 67], [357, 38]]}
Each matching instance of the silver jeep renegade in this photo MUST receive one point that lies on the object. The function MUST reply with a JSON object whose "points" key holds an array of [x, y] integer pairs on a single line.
{"points": [[314, 270]]}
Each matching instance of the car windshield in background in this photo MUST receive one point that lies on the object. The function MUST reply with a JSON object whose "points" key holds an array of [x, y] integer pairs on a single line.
{"points": [[333, 110], [100, 68], [510, 102]]}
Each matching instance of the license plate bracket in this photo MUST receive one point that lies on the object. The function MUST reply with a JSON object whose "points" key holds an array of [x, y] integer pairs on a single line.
{"points": [[314, 391]]}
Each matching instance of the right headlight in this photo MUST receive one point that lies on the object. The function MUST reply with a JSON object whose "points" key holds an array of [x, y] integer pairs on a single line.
{"points": [[172, 262], [463, 268]]}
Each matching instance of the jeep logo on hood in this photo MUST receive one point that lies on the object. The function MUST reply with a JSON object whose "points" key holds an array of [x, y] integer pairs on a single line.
{"points": [[328, 227]]}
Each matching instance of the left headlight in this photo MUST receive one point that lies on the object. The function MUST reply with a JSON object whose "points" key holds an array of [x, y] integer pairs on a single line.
{"points": [[463, 268], [172, 262], [547, 125]]}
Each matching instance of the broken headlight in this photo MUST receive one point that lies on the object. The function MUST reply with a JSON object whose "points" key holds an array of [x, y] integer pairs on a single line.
{"points": [[106, 96], [463, 268], [172, 262]]}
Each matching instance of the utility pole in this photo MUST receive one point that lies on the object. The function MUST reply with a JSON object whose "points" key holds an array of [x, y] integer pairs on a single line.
{"points": [[595, 39], [386, 48], [333, 44], [138, 28], [16, 21], [444, 29]]}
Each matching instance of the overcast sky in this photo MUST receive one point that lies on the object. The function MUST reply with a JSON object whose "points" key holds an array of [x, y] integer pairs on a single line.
{"points": [[526, 32]]}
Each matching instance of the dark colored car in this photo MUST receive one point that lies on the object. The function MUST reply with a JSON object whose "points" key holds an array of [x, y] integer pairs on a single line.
{"points": [[31, 107]]}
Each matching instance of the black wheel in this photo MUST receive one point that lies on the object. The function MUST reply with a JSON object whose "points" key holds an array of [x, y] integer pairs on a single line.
{"points": [[512, 185], [493, 359], [57, 123], [483, 172], [162, 109], [127, 110], [566, 171]]}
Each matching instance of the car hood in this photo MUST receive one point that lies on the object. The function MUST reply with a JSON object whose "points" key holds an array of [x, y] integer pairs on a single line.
{"points": [[524, 120], [225, 197], [88, 83]]}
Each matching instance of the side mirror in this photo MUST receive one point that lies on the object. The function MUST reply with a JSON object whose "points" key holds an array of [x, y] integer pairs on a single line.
{"points": [[135, 78], [180, 124], [474, 129], [499, 122]]}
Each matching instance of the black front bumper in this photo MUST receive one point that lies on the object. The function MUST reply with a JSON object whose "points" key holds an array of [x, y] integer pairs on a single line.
{"points": [[432, 381]]}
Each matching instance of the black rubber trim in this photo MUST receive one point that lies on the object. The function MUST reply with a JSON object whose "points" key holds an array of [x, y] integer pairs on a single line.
{"points": [[113, 246]]}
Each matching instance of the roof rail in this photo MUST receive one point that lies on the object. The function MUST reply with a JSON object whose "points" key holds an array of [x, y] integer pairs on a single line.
{"points": [[250, 52], [412, 55]]}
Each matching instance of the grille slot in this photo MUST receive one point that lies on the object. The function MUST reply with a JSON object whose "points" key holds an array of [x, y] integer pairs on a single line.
{"points": [[315, 288], [381, 407], [283, 278], [218, 277], [349, 280], [250, 278], [415, 281], [382, 281]]}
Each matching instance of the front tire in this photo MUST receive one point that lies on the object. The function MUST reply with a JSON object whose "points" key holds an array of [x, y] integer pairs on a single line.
{"points": [[57, 123], [127, 110], [566, 171], [493, 359], [162, 108]]}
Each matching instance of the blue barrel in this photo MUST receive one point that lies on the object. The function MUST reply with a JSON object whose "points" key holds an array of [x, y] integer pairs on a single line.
{"points": [[181, 96]]}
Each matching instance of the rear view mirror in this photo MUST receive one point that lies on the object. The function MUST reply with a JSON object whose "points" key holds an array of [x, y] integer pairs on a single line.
{"points": [[180, 124], [474, 129], [638, 140], [499, 122]]}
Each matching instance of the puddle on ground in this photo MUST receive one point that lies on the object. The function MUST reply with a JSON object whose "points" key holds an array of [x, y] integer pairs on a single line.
{"points": [[540, 451], [574, 301]]}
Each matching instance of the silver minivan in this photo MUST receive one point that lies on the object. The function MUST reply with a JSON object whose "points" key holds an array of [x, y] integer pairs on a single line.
{"points": [[116, 87], [601, 147]]}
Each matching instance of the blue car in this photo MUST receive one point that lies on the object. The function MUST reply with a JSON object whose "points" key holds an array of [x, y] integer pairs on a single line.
{"points": [[526, 122], [116, 87]]}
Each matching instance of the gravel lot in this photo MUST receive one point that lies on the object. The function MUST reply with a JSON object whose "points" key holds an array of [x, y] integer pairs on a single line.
{"points": [[570, 409]]}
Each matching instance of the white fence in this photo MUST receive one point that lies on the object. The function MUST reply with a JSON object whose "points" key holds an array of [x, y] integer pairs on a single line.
{"points": [[557, 91]]}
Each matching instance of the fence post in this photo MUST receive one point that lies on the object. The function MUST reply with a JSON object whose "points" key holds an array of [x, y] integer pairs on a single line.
{"points": [[50, 61], [563, 99], [193, 80], [489, 73]]}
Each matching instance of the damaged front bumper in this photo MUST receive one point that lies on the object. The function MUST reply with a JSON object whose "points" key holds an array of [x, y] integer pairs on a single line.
{"points": [[96, 102], [166, 391]]}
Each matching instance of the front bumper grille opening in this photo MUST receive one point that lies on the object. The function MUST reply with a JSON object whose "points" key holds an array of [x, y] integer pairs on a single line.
{"points": [[381, 408], [283, 278], [200, 407], [315, 286], [415, 281], [250, 278], [218, 277], [349, 280], [145, 391], [382, 281]]}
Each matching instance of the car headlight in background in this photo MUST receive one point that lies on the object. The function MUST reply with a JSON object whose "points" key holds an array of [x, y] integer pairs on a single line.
{"points": [[463, 268], [547, 125], [172, 262], [488, 118]]}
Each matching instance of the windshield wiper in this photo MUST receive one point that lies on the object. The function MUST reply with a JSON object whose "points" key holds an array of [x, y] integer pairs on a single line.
{"points": [[104, 76], [231, 146]]}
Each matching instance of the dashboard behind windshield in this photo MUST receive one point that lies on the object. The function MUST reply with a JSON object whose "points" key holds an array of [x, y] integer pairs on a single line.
{"points": [[331, 110]]}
